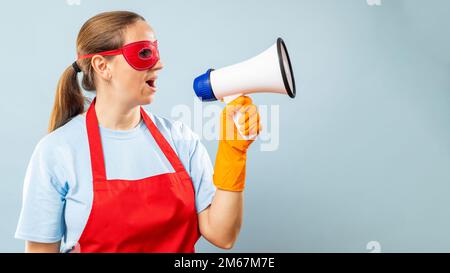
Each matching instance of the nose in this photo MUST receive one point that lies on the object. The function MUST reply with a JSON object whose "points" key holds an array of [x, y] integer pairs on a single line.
{"points": [[158, 66]]}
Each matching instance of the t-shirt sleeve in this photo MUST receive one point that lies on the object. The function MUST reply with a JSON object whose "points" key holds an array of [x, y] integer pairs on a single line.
{"points": [[41, 216], [198, 164]]}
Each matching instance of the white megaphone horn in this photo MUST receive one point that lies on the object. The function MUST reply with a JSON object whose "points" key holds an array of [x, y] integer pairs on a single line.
{"points": [[268, 72]]}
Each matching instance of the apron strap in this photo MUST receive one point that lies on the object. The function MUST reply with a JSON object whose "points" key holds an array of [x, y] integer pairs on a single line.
{"points": [[96, 150], [165, 146]]}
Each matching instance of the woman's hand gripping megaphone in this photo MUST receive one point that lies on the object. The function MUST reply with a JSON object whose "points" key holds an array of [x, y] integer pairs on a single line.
{"points": [[240, 120], [239, 126], [238, 117]]}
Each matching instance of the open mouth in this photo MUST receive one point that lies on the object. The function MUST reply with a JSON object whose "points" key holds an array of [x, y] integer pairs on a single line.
{"points": [[151, 83]]}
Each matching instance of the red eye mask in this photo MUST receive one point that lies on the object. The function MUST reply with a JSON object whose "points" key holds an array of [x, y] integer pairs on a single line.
{"points": [[141, 55]]}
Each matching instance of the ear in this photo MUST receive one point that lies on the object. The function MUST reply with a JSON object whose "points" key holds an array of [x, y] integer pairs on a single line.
{"points": [[101, 66]]}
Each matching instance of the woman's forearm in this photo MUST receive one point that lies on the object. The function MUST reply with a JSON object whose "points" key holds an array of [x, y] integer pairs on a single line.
{"points": [[225, 217], [33, 247]]}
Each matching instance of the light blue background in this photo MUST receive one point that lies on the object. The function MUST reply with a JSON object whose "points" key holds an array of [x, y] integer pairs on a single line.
{"points": [[364, 149]]}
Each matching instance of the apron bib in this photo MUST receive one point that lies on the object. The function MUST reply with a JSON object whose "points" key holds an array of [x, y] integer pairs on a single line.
{"points": [[153, 214]]}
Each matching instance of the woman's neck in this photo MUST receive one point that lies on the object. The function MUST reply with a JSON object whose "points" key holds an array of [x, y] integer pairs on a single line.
{"points": [[115, 115]]}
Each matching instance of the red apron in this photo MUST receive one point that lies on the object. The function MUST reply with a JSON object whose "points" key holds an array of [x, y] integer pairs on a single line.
{"points": [[153, 214]]}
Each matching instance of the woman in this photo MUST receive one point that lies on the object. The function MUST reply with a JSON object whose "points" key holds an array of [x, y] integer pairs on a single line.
{"points": [[117, 178]]}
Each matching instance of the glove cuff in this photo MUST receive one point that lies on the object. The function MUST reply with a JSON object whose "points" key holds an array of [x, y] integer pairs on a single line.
{"points": [[229, 168]]}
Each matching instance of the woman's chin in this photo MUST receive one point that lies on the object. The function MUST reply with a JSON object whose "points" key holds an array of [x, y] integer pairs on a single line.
{"points": [[148, 98]]}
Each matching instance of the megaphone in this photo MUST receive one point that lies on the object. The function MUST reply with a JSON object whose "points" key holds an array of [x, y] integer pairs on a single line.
{"points": [[268, 72]]}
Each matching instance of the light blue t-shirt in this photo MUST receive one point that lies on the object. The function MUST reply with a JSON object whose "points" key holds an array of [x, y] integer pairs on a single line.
{"points": [[58, 190]]}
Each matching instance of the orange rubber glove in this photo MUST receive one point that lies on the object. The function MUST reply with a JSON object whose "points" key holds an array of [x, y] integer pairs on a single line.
{"points": [[229, 169]]}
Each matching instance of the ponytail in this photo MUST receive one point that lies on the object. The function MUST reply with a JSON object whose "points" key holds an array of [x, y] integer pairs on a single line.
{"points": [[69, 100], [104, 31]]}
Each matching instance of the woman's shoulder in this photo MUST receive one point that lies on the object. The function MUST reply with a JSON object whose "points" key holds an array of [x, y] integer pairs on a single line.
{"points": [[63, 137]]}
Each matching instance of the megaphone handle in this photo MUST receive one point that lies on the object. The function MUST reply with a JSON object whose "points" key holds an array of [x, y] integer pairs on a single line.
{"points": [[231, 98], [236, 116]]}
